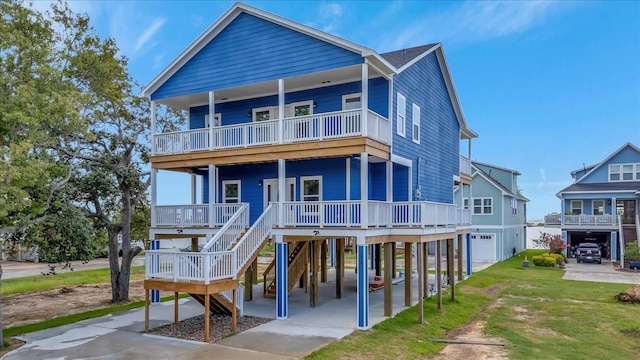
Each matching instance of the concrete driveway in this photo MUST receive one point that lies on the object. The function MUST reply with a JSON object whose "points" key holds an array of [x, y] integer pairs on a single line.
{"points": [[599, 273]]}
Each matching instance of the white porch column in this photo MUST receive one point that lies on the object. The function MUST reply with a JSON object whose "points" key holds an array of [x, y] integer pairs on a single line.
{"points": [[281, 191], [154, 196], [389, 188], [212, 120], [193, 189], [364, 97], [348, 179], [280, 111], [153, 127], [614, 212], [213, 181], [364, 189]]}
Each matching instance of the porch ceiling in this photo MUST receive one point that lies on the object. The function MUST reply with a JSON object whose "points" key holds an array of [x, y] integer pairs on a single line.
{"points": [[309, 81]]}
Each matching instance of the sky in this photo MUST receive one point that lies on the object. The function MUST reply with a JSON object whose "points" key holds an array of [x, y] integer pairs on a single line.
{"points": [[549, 86]]}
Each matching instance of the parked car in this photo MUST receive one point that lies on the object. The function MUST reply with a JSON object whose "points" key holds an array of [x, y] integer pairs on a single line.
{"points": [[589, 252]]}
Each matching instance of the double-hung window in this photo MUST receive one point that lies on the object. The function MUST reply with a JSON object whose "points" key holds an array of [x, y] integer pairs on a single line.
{"points": [[415, 129], [598, 207], [482, 206], [231, 191], [576, 207], [401, 123]]}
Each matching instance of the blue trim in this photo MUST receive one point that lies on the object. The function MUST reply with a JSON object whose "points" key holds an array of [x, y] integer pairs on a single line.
{"points": [[469, 259], [155, 294], [282, 300], [614, 246], [332, 252], [363, 288]]}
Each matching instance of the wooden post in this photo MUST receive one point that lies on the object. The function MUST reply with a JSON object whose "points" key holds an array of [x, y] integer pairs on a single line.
{"points": [[315, 257], [340, 268], [394, 265], [207, 315], [408, 270], [255, 272], [388, 278], [175, 308], [234, 312], [460, 275], [439, 272], [146, 310], [248, 282], [323, 261], [451, 268], [194, 244], [425, 269], [419, 265]]}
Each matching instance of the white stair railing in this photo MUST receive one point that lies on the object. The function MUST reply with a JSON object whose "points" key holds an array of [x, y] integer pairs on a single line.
{"points": [[621, 241], [230, 232], [254, 237]]}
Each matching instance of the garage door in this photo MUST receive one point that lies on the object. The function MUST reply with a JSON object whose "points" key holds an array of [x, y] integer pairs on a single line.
{"points": [[483, 247]]}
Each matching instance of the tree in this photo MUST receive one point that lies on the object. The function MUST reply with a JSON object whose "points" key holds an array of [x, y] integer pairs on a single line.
{"points": [[552, 243]]}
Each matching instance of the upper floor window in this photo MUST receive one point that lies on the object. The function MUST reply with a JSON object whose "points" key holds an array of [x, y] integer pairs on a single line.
{"points": [[351, 101], [576, 207], [514, 206], [401, 123], [231, 191], [415, 129], [217, 117], [264, 113], [465, 203], [624, 172], [482, 206], [598, 207], [300, 108]]}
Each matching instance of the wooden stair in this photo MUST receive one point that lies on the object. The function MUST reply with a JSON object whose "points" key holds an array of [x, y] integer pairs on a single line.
{"points": [[217, 303], [297, 261], [629, 232]]}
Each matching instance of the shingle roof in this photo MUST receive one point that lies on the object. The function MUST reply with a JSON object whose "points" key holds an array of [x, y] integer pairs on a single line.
{"points": [[604, 187], [502, 188], [399, 58]]}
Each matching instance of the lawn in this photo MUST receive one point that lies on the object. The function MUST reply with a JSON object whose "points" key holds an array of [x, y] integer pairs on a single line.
{"points": [[533, 311]]}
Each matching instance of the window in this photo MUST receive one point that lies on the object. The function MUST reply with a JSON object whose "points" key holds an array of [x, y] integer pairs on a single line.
{"points": [[576, 207], [231, 191], [514, 206], [401, 124], [311, 188], [624, 172], [465, 203], [217, 117], [483, 206], [415, 131], [351, 102], [263, 113], [598, 207]]}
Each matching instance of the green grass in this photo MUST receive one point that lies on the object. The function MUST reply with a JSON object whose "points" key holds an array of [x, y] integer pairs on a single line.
{"points": [[37, 283], [534, 311]]}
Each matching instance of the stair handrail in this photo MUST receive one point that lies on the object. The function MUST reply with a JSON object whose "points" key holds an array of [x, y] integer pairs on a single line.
{"points": [[229, 232], [245, 248], [621, 240]]}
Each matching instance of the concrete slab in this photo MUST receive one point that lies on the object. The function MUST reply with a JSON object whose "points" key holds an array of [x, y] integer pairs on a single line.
{"points": [[599, 273]]}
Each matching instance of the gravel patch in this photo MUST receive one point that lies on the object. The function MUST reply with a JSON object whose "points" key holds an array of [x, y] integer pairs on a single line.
{"points": [[220, 327]]}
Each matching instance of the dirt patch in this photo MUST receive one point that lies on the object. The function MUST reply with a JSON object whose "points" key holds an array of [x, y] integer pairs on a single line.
{"points": [[496, 304], [473, 331], [32, 308]]}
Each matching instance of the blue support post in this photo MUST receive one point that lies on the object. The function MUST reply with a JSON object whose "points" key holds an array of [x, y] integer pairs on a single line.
{"points": [[363, 288], [282, 299], [155, 294], [332, 252], [469, 260], [614, 246]]}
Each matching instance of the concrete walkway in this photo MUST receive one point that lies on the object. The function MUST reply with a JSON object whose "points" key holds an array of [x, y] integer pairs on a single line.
{"points": [[599, 273], [307, 329]]}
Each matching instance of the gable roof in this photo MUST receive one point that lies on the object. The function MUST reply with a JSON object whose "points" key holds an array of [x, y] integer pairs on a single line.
{"points": [[618, 186], [400, 58], [495, 166], [498, 185], [594, 168], [585, 169]]}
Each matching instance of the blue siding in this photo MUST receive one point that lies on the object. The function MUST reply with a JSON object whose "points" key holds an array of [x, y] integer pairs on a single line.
{"points": [[400, 183], [327, 99], [423, 84], [251, 50], [378, 181], [601, 174]]}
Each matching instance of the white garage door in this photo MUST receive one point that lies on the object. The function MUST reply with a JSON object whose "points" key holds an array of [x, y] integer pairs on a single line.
{"points": [[483, 247]]}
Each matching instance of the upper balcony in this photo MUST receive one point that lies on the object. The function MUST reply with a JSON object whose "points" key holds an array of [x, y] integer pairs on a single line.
{"points": [[589, 221], [465, 170]]}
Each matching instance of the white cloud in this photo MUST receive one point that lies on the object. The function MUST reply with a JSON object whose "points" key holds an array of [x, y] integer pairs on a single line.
{"points": [[329, 18], [148, 34]]}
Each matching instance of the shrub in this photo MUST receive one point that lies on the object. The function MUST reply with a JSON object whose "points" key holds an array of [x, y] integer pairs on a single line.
{"points": [[559, 258], [544, 260], [631, 251]]}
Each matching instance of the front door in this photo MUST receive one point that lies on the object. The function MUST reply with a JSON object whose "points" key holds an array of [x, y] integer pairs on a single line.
{"points": [[626, 208], [271, 191]]}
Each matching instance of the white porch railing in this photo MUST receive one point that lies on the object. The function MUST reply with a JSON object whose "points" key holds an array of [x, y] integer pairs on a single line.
{"points": [[194, 215], [230, 232], [332, 125], [591, 220], [463, 216], [465, 165]]}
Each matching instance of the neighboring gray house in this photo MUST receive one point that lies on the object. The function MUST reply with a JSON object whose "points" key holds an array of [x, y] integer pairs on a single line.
{"points": [[498, 212]]}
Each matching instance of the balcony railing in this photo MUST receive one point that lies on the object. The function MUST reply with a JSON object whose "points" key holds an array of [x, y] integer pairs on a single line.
{"points": [[590, 220], [324, 126], [465, 165], [194, 215]]}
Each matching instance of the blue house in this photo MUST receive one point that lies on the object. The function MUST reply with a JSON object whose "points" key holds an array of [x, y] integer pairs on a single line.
{"points": [[303, 139], [603, 203], [498, 212]]}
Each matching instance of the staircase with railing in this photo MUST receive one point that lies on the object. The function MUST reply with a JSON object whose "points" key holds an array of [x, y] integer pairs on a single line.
{"points": [[296, 264]]}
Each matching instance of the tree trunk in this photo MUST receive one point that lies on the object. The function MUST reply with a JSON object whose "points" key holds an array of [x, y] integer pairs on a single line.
{"points": [[120, 276]]}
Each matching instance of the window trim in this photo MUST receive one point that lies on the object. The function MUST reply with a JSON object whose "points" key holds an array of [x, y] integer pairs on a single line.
{"points": [[254, 111], [216, 116], [415, 114], [635, 172], [224, 193], [482, 206], [401, 116], [465, 203], [581, 206], [306, 178], [593, 206], [351, 96]]}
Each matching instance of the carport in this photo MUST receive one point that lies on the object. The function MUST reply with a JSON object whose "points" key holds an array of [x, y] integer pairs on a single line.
{"points": [[601, 238]]}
